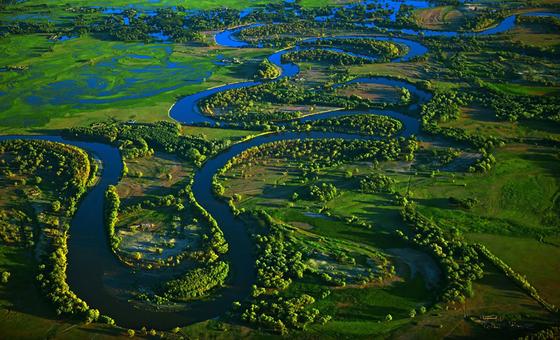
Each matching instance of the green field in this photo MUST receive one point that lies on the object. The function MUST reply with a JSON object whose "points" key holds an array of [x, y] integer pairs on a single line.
{"points": [[85, 80], [443, 224]]}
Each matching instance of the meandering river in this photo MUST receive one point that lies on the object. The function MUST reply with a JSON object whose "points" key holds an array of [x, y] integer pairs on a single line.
{"points": [[90, 259]]}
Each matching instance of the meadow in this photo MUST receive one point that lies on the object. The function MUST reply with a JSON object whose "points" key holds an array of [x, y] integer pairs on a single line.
{"points": [[321, 183]]}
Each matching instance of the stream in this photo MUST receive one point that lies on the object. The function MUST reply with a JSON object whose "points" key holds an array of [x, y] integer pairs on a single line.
{"points": [[90, 259]]}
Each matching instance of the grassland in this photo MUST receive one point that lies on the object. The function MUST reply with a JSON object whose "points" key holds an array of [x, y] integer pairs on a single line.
{"points": [[148, 4], [25, 312], [83, 80], [157, 175], [519, 192], [483, 121], [439, 18], [516, 204], [535, 259], [375, 92], [513, 198], [494, 295]]}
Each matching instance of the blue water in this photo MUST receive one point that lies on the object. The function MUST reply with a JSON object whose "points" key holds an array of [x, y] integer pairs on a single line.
{"points": [[160, 36], [66, 38], [393, 5], [90, 257], [89, 87], [227, 37], [504, 26], [186, 109]]}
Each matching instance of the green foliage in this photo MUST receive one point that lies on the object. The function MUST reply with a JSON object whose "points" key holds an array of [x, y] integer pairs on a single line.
{"points": [[550, 333], [519, 279], [321, 55], [412, 313], [217, 244], [66, 171], [367, 124], [92, 315], [513, 108], [553, 22], [137, 140], [323, 192], [266, 71], [459, 261], [34, 158], [242, 105], [443, 107], [279, 314], [16, 227], [112, 204], [312, 155], [467, 203], [278, 260], [485, 18], [55, 206], [406, 97], [281, 34], [376, 183], [383, 50], [197, 282], [5, 277]]}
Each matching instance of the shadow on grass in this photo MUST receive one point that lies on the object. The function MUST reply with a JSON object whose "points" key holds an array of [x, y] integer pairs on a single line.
{"points": [[22, 293]]}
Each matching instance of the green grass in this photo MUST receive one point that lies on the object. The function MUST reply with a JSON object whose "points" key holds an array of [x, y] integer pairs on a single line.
{"points": [[84, 80], [153, 180], [494, 294], [513, 199], [321, 3], [356, 311], [26, 314], [217, 133], [482, 121], [516, 198], [524, 90], [202, 4], [442, 17], [361, 312], [90, 69], [538, 261]]}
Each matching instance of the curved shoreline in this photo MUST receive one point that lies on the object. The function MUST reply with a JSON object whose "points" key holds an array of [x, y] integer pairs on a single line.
{"points": [[187, 111]]}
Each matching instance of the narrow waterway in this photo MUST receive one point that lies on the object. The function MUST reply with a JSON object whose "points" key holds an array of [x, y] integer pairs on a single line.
{"points": [[90, 258]]}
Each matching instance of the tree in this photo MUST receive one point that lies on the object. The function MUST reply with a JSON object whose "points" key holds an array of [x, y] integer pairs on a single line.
{"points": [[405, 95], [5, 277], [92, 315], [55, 206], [124, 169], [131, 333], [388, 317]]}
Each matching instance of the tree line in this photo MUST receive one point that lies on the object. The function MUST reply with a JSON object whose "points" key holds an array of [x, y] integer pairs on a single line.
{"points": [[137, 140], [63, 172]]}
